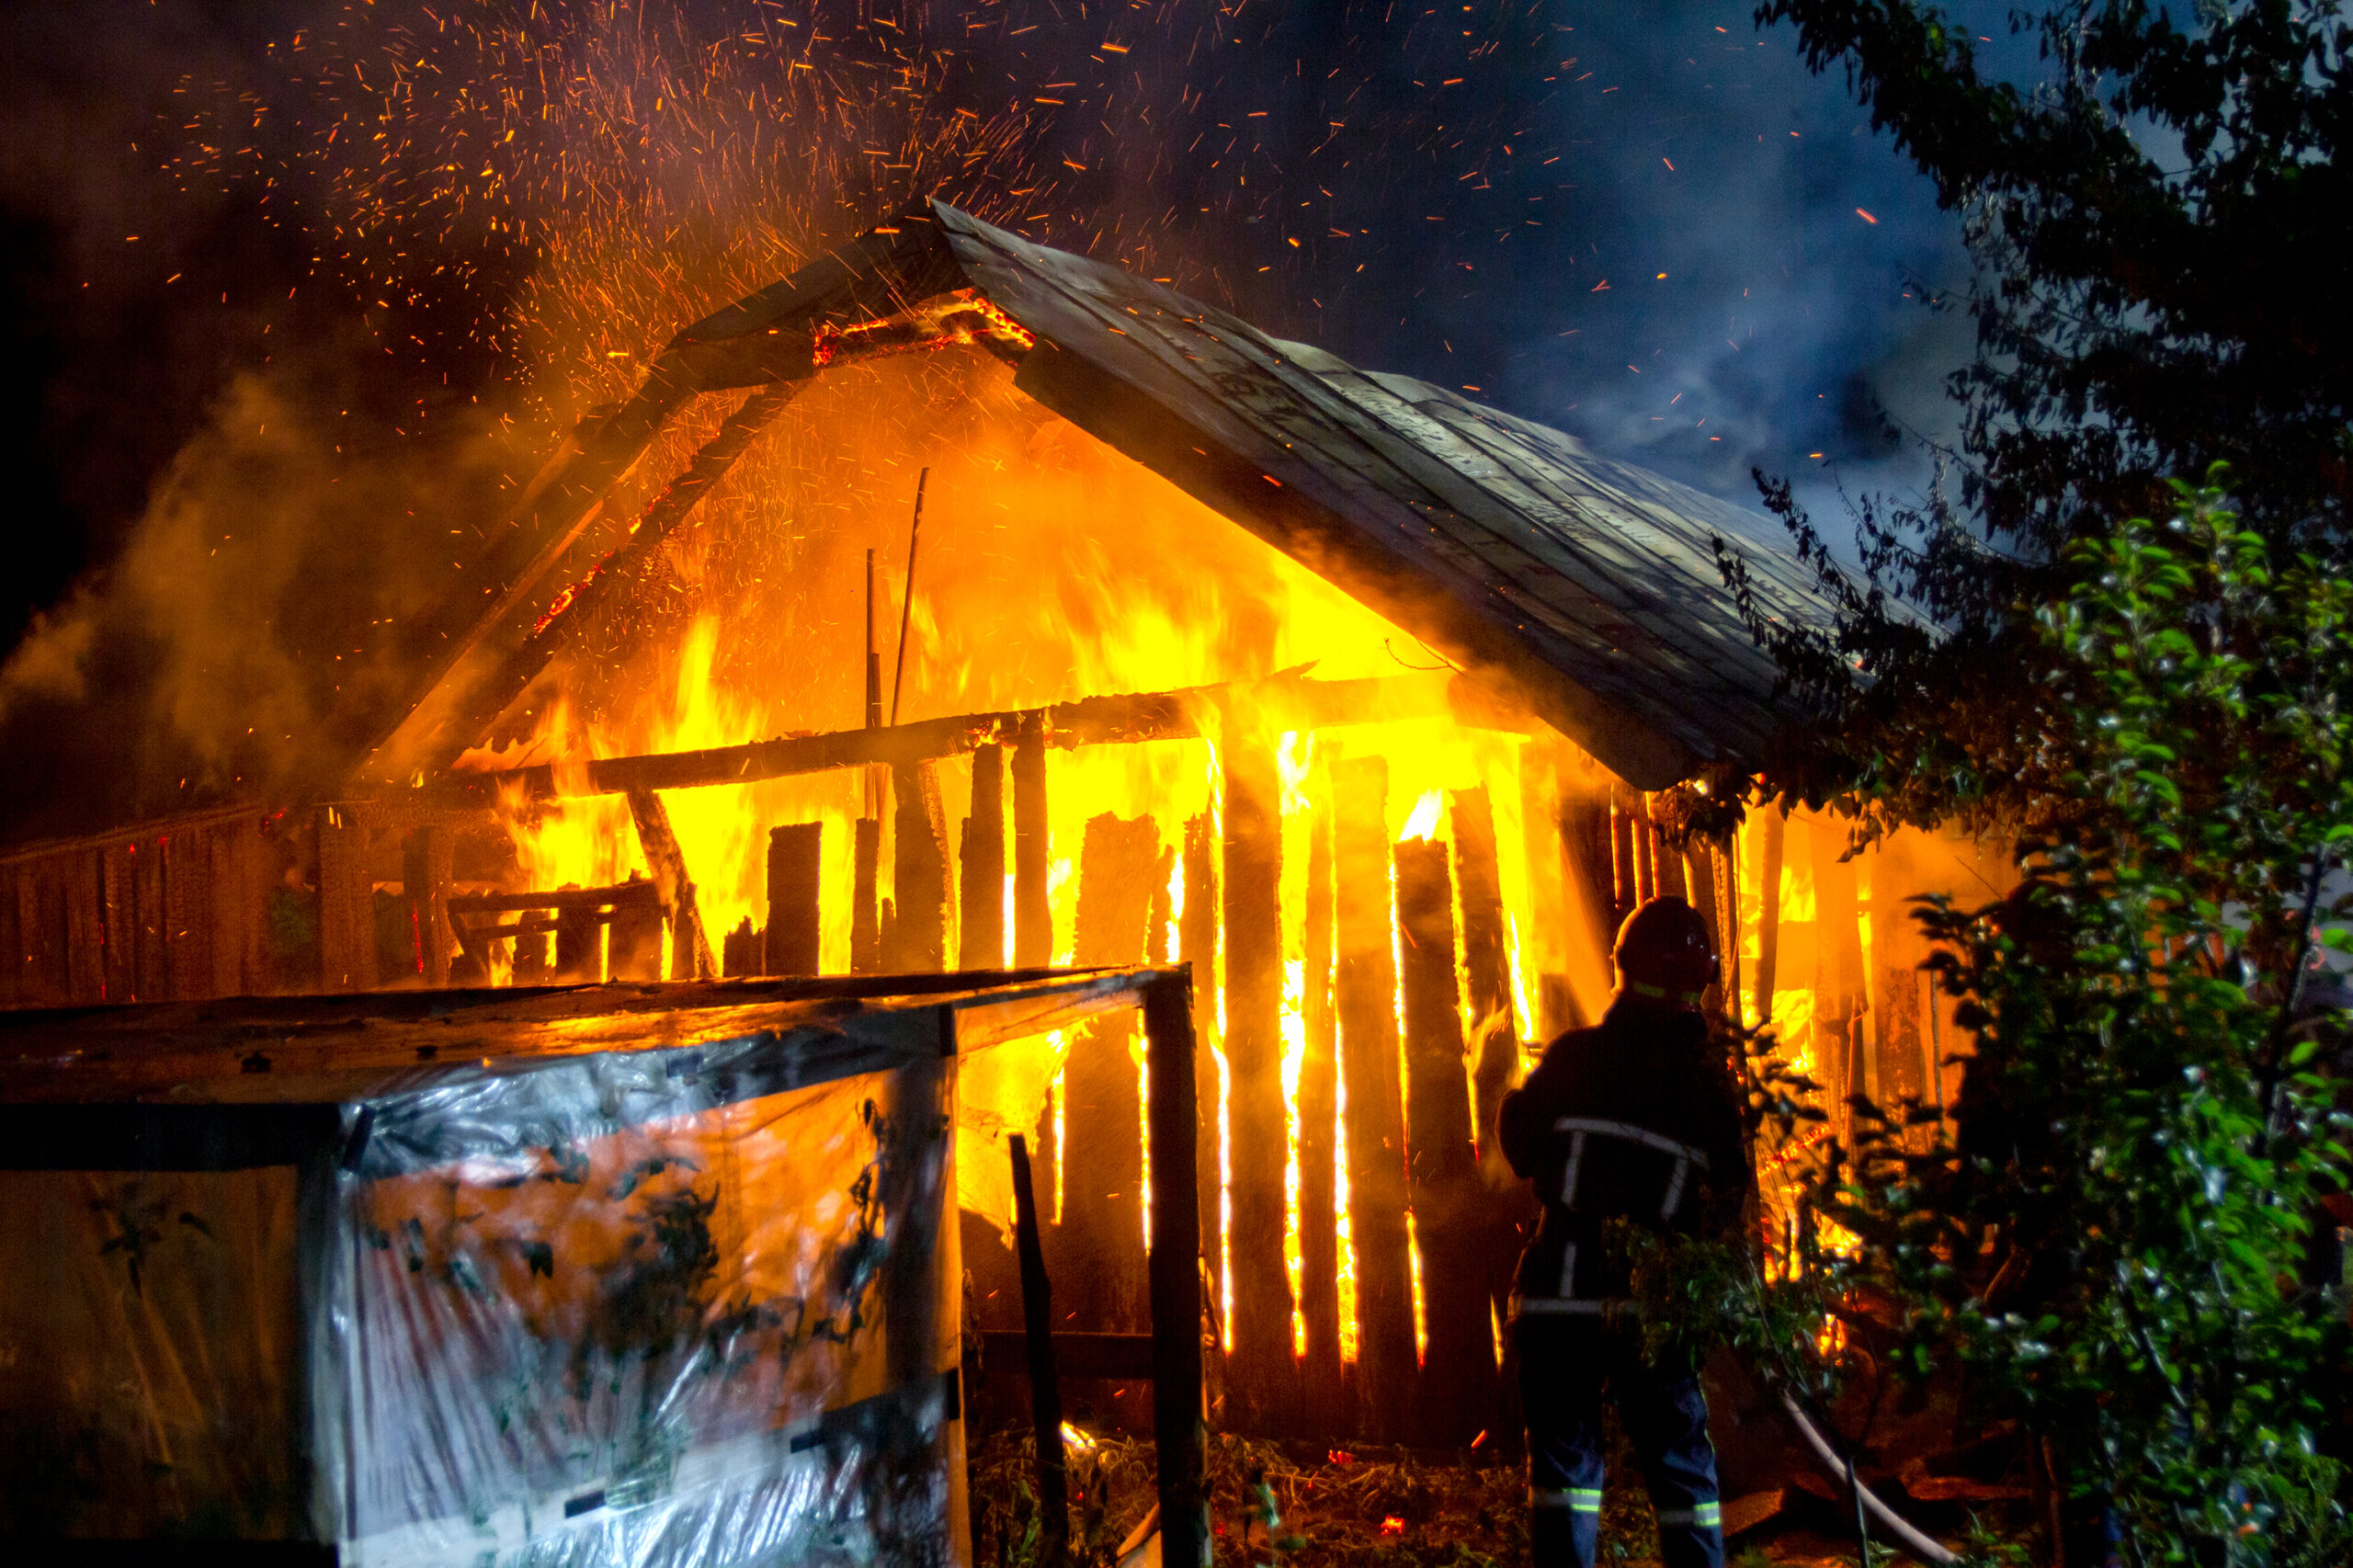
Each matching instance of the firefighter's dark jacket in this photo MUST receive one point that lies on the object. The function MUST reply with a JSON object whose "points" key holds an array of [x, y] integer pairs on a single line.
{"points": [[1634, 1118]]}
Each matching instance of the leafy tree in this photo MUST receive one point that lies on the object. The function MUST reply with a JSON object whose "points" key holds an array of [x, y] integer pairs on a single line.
{"points": [[2115, 1243], [2163, 241]]}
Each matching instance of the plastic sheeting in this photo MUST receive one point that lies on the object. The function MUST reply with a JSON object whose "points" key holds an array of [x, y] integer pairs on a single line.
{"points": [[617, 1308]]}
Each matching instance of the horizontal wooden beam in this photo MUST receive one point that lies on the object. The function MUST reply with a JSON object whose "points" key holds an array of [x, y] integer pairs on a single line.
{"points": [[1289, 699], [585, 900]]}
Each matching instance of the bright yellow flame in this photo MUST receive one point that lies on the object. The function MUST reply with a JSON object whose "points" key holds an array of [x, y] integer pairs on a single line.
{"points": [[1421, 1320], [1294, 1062], [1422, 820]]}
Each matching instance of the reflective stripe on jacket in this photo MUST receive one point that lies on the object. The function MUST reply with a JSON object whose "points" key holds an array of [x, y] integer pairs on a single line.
{"points": [[1635, 1119]]}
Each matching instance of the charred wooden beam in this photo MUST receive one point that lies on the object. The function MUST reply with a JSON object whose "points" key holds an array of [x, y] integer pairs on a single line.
{"points": [[580, 944], [918, 943], [1319, 1241], [981, 923], [1768, 912], [1459, 1381], [691, 947], [1180, 1437], [1501, 1203], [1388, 1372], [1033, 919], [1261, 1379], [1045, 1388], [1197, 939], [795, 855], [865, 910], [1486, 965], [1094, 720], [634, 937], [1102, 1218]]}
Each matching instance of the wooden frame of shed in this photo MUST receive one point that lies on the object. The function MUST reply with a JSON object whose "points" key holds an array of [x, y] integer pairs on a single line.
{"points": [[247, 1083]]}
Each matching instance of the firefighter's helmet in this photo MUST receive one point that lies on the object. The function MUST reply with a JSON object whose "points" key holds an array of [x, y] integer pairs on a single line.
{"points": [[1664, 952]]}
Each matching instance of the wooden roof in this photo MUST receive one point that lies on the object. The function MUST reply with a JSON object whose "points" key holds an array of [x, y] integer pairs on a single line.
{"points": [[1580, 589], [1588, 586]]}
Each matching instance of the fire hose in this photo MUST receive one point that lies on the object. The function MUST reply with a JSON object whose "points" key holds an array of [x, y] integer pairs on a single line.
{"points": [[1902, 1529]]}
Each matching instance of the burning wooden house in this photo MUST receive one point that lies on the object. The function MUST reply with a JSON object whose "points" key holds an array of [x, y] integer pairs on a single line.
{"points": [[1206, 648]]}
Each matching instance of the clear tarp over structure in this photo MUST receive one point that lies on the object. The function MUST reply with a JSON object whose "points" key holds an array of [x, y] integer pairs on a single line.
{"points": [[659, 1274]]}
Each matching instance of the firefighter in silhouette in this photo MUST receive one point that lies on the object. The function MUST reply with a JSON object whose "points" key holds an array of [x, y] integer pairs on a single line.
{"points": [[1634, 1120]]}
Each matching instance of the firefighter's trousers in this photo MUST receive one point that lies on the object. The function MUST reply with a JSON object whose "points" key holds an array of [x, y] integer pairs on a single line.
{"points": [[1566, 1364]]}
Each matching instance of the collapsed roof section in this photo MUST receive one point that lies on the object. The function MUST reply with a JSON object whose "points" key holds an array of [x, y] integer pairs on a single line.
{"points": [[1582, 589]]}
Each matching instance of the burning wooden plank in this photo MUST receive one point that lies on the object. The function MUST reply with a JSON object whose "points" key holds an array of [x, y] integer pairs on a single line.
{"points": [[1321, 1375], [1261, 1376], [1102, 1213], [981, 918], [795, 853], [1459, 1381], [1095, 721], [1366, 988]]}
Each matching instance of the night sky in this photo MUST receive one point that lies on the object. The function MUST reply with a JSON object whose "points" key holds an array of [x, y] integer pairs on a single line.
{"points": [[1644, 224]]}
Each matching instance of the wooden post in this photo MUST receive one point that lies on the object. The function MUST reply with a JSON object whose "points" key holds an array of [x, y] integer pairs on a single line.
{"points": [[1486, 966], [1261, 1376], [1197, 939], [1443, 1170], [1102, 1220], [1033, 917], [579, 946], [1725, 867], [346, 909], [865, 916], [1319, 1241], [795, 853], [1387, 1369], [119, 911], [425, 857], [1700, 860], [1625, 873], [1045, 1391], [1588, 825], [1179, 1436], [743, 950], [86, 931], [634, 938], [1838, 994], [1502, 1203], [982, 929], [918, 876], [1769, 911], [240, 907], [690, 955], [187, 913]]}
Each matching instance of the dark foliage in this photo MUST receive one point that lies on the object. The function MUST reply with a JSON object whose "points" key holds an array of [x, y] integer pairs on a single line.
{"points": [[2163, 241]]}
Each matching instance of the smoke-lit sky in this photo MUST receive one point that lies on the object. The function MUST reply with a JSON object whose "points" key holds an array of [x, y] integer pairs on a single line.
{"points": [[1644, 224]]}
